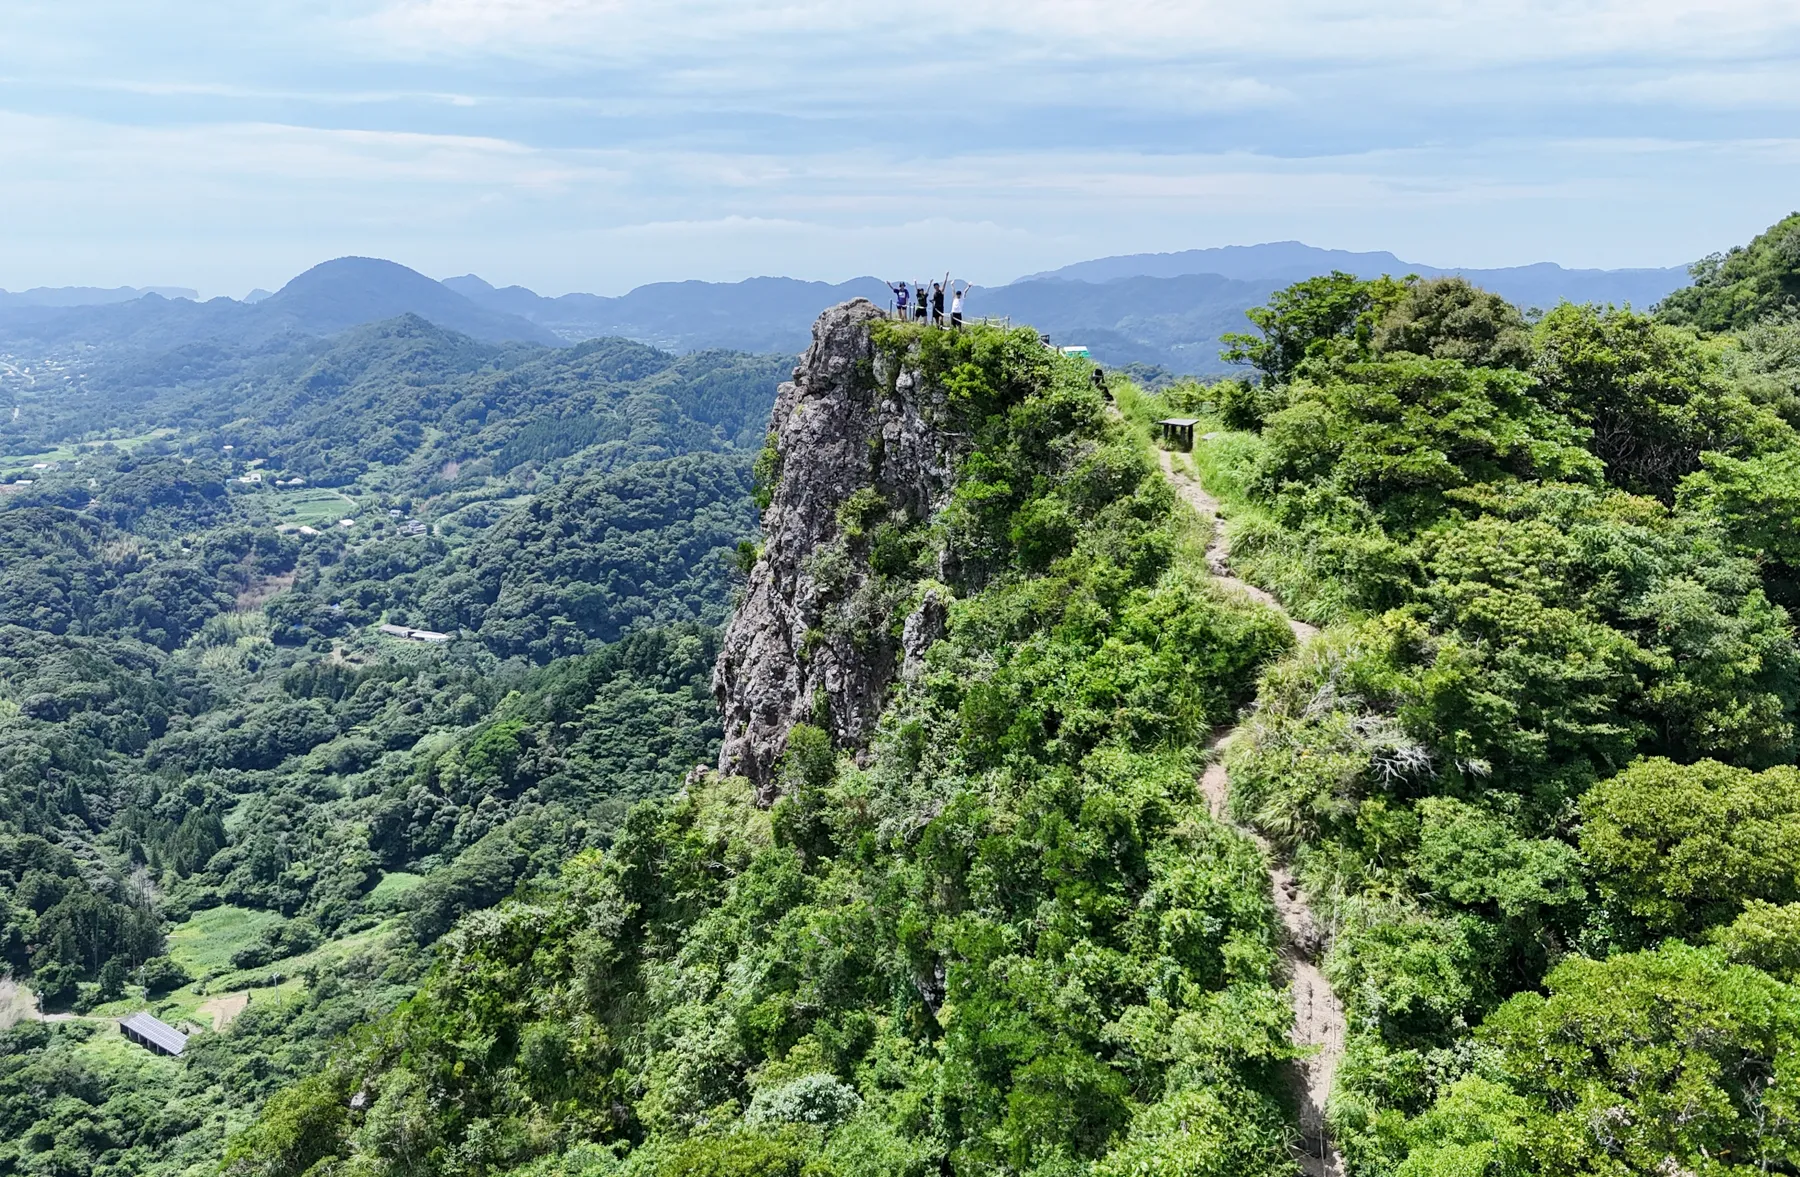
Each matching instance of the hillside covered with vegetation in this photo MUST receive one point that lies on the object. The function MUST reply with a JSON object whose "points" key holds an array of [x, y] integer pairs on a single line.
{"points": [[1535, 776], [1536, 773], [1012, 939], [221, 784]]}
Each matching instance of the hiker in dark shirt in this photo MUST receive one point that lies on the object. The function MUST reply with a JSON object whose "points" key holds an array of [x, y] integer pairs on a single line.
{"points": [[919, 304], [901, 292], [937, 302]]}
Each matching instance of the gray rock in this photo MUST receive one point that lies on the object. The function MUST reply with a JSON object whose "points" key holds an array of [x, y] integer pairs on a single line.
{"points": [[928, 622], [813, 639]]}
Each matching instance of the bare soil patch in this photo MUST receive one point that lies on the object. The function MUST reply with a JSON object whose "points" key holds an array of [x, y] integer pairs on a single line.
{"points": [[262, 589], [223, 1008]]}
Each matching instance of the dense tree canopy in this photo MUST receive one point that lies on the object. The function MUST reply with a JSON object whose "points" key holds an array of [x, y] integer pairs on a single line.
{"points": [[200, 726], [1011, 940], [1538, 773], [1750, 284]]}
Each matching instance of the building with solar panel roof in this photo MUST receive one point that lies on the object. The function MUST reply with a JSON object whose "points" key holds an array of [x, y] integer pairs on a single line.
{"points": [[153, 1034]]}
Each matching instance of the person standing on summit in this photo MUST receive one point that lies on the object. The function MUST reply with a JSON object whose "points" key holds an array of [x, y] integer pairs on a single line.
{"points": [[937, 302], [956, 301], [919, 304], [901, 291]]}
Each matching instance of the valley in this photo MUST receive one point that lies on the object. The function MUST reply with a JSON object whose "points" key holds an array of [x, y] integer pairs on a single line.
{"points": [[191, 662]]}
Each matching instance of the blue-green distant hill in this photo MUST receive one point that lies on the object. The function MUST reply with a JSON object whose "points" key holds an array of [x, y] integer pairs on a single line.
{"points": [[756, 315], [1169, 309], [81, 296]]}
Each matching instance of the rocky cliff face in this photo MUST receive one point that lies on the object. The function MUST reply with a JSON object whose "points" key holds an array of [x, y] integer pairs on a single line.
{"points": [[834, 605]]}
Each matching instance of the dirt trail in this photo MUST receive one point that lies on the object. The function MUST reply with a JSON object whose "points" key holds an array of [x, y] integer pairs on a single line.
{"points": [[1318, 1014]]}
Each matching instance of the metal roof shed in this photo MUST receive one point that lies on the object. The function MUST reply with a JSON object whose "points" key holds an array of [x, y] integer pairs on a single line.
{"points": [[153, 1034]]}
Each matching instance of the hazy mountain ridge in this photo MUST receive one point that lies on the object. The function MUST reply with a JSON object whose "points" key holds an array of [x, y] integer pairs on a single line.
{"points": [[331, 297], [1540, 284], [1171, 322], [75, 296], [1164, 309], [758, 314]]}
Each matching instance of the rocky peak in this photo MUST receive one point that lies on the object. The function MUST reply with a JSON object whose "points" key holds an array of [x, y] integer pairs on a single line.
{"points": [[860, 459]]}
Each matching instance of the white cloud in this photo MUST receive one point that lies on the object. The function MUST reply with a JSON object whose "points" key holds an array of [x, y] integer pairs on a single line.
{"points": [[1328, 30], [232, 92], [597, 143], [234, 205], [1741, 86], [78, 150]]}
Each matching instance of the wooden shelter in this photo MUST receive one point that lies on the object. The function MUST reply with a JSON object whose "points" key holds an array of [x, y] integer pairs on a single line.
{"points": [[1178, 432]]}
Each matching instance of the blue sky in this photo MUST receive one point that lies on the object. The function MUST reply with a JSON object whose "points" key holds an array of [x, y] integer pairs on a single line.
{"points": [[599, 144]]}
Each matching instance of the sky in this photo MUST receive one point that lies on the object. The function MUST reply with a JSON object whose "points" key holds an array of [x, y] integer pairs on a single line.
{"points": [[600, 144]]}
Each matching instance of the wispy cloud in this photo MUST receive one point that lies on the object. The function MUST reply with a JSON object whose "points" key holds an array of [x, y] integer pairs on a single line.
{"points": [[1369, 30], [224, 90]]}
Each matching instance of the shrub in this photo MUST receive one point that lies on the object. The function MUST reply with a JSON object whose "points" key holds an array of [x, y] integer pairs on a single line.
{"points": [[160, 974], [820, 1100]]}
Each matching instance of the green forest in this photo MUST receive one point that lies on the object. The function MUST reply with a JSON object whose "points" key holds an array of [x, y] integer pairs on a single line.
{"points": [[462, 907], [225, 795]]}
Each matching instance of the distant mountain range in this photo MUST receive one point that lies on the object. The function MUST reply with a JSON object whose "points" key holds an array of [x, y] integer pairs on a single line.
{"points": [[1174, 323], [83, 296], [1167, 309], [325, 300], [757, 315], [1542, 285]]}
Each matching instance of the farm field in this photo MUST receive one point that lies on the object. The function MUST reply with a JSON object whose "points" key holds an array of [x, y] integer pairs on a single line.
{"points": [[204, 945], [313, 506]]}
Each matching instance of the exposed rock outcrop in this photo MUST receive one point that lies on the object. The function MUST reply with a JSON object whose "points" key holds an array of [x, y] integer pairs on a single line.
{"points": [[815, 639]]}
